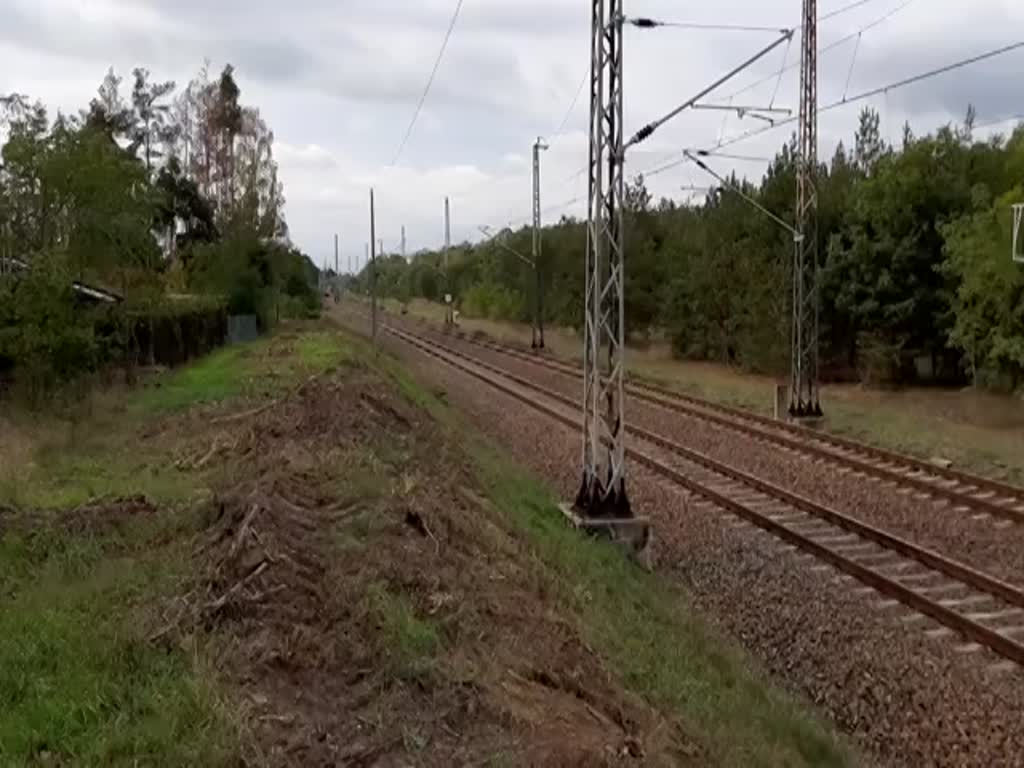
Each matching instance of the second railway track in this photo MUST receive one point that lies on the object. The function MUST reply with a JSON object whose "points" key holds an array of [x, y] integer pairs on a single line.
{"points": [[984, 496], [987, 612]]}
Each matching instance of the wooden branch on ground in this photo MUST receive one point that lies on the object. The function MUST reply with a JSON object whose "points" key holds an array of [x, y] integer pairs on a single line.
{"points": [[221, 601]]}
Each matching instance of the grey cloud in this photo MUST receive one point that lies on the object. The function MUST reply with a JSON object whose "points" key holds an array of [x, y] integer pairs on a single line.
{"points": [[273, 60], [990, 85], [345, 75]]}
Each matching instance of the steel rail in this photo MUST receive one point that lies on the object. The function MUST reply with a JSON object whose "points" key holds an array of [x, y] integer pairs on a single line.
{"points": [[767, 428], [958, 572]]}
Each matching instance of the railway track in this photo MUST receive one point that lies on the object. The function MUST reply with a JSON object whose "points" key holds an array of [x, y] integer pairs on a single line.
{"points": [[985, 611], [965, 492]]}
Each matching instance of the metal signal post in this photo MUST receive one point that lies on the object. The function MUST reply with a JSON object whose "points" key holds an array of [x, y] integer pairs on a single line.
{"points": [[538, 326], [603, 487], [804, 399]]}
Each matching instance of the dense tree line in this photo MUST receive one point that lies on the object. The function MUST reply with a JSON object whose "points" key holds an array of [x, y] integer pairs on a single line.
{"points": [[916, 275], [169, 199]]}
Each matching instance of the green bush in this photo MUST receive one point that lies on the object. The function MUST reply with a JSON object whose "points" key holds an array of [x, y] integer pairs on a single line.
{"points": [[46, 335], [492, 301], [256, 278], [295, 308], [170, 332]]}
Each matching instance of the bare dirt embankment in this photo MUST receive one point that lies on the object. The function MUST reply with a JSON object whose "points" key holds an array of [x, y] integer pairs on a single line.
{"points": [[368, 606]]}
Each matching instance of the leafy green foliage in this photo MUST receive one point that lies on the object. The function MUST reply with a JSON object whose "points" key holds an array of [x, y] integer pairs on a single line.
{"points": [[253, 275], [897, 285], [42, 331], [134, 196], [989, 303]]}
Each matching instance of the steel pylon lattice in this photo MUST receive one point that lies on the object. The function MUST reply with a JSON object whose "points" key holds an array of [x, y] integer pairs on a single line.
{"points": [[603, 487], [538, 321], [804, 398]]}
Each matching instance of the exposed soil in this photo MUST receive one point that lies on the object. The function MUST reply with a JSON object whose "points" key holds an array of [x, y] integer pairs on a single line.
{"points": [[370, 608]]}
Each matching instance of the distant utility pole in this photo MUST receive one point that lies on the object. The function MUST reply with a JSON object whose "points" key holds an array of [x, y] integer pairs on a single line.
{"points": [[804, 397], [602, 491], [447, 225], [538, 326], [380, 247], [373, 273], [336, 281], [403, 241], [449, 317]]}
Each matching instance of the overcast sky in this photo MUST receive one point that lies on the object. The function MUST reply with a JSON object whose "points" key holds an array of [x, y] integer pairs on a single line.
{"points": [[338, 80]]}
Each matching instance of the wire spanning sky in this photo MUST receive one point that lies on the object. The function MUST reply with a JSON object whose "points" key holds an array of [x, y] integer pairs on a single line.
{"points": [[338, 81]]}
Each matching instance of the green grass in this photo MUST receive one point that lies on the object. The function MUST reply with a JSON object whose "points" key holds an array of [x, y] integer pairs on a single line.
{"points": [[257, 369], [648, 631], [645, 627], [103, 468], [216, 377], [320, 352], [108, 457], [987, 450], [411, 642], [78, 679]]}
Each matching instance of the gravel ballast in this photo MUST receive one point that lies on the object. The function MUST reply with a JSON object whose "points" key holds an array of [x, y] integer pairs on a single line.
{"points": [[908, 698], [989, 544]]}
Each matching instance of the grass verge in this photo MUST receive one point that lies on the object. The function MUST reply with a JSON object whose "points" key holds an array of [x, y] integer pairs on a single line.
{"points": [[46, 463], [80, 684], [648, 630], [257, 369], [80, 681]]}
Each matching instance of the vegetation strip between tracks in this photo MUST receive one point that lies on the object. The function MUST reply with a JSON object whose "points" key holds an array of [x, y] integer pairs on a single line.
{"points": [[731, 417], [965, 626]]}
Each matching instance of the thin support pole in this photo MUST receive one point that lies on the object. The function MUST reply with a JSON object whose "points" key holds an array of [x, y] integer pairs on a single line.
{"points": [[449, 314], [373, 272]]}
